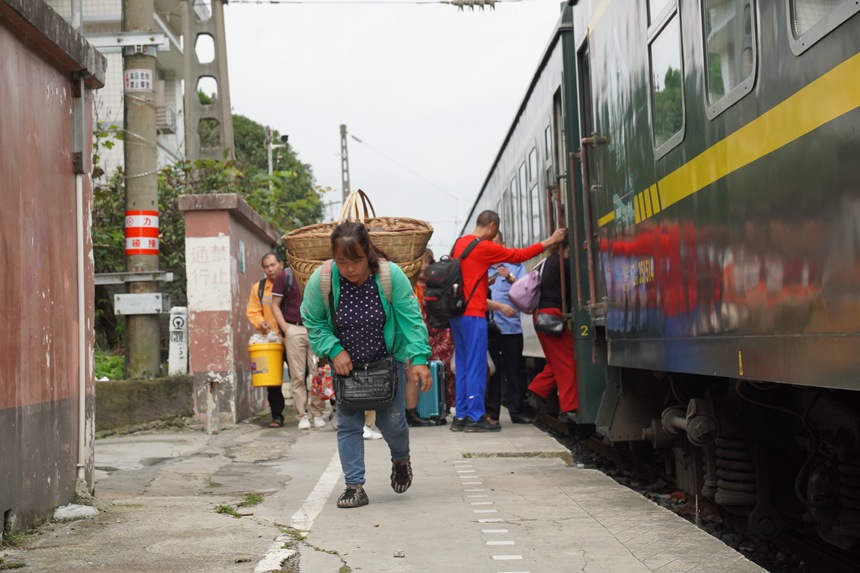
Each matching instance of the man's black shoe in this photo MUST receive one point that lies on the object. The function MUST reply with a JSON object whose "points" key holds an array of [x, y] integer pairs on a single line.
{"points": [[521, 419], [568, 417], [485, 425], [458, 424], [416, 421], [534, 401]]}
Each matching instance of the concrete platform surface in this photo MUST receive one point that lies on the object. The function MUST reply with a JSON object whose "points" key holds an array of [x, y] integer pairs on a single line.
{"points": [[507, 502]]}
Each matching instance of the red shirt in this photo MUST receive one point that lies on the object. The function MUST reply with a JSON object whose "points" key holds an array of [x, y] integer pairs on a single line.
{"points": [[475, 266]]}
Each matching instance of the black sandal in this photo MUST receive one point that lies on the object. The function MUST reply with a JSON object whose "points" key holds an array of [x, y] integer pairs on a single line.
{"points": [[277, 423]]}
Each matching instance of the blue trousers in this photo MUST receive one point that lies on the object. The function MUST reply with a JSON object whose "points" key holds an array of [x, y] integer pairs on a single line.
{"points": [[470, 352], [391, 421]]}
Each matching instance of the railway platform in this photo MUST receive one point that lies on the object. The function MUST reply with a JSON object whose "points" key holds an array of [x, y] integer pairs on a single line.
{"points": [[506, 502]]}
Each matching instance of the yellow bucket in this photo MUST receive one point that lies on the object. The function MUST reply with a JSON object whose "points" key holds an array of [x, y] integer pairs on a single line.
{"points": [[267, 364]]}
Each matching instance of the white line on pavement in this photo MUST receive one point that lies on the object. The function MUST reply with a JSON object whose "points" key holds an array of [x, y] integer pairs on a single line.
{"points": [[303, 519]]}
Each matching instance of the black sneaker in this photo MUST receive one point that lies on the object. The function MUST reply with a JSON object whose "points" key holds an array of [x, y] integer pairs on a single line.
{"points": [[568, 417], [416, 421], [401, 475], [485, 425], [457, 424], [352, 496]]}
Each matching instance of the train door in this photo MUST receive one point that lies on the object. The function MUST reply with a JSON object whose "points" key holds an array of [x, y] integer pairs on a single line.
{"points": [[592, 147]]}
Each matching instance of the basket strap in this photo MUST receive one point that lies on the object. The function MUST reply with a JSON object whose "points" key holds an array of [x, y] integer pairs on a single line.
{"points": [[357, 207], [325, 280], [369, 211], [347, 207], [385, 279]]}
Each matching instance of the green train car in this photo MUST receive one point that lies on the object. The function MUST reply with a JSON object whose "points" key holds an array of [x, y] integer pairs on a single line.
{"points": [[707, 154]]}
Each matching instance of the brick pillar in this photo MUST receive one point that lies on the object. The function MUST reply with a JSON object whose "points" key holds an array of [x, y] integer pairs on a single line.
{"points": [[225, 241]]}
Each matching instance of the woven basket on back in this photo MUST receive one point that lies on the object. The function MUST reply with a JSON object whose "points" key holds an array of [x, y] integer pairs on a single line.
{"points": [[304, 268], [402, 239]]}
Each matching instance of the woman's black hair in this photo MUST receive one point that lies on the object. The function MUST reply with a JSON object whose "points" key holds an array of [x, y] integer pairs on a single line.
{"points": [[352, 238]]}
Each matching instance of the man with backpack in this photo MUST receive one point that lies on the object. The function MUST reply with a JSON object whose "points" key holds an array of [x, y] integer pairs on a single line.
{"points": [[261, 315], [475, 253], [287, 302]]}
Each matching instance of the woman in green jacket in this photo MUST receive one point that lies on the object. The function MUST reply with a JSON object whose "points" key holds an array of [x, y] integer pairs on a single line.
{"points": [[369, 328]]}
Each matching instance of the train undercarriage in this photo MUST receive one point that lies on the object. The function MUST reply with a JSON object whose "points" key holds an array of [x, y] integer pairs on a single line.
{"points": [[770, 455]]}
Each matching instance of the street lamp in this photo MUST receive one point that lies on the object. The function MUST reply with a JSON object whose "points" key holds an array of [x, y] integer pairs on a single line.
{"points": [[269, 147]]}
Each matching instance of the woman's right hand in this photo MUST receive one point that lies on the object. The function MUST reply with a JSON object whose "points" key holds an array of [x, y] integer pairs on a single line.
{"points": [[342, 363]]}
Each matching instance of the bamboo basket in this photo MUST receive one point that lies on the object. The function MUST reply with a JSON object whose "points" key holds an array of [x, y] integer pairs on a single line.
{"points": [[401, 239], [304, 268]]}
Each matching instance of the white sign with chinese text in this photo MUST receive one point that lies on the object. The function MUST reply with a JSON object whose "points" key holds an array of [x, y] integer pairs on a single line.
{"points": [[138, 80]]}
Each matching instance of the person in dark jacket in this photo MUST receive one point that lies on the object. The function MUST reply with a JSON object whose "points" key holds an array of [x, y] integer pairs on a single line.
{"points": [[560, 370]]}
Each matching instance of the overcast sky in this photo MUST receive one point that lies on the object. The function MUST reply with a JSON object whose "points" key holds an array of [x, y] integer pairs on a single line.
{"points": [[430, 90]]}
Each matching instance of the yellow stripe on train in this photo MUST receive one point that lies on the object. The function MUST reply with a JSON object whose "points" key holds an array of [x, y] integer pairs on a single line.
{"points": [[832, 95]]}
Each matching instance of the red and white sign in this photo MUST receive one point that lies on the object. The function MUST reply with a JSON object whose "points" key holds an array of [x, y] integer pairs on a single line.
{"points": [[138, 80], [141, 233]]}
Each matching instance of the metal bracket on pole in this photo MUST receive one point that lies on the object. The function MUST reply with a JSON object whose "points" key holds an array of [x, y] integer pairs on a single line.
{"points": [[133, 277], [131, 43]]}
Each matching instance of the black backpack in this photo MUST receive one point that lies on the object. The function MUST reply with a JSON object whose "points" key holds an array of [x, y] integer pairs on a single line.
{"points": [[443, 291], [261, 288]]}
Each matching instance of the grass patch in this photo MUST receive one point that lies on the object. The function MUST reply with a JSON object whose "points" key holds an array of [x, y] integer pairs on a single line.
{"points": [[13, 538], [109, 364], [8, 566], [251, 499], [227, 510]]}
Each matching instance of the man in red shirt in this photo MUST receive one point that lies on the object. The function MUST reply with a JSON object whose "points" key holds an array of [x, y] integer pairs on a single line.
{"points": [[470, 329]]}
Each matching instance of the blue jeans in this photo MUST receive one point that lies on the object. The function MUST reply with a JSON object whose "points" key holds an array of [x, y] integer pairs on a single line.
{"points": [[391, 421]]}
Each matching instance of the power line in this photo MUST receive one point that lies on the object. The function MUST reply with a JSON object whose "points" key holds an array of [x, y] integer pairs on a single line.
{"points": [[418, 175], [461, 4]]}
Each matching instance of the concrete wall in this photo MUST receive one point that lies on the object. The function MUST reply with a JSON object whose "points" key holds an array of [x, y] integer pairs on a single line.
{"points": [[122, 403], [46, 381], [224, 244]]}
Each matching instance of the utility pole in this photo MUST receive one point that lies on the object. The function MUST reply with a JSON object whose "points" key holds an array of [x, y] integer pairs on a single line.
{"points": [[143, 355], [344, 162], [200, 20], [269, 147]]}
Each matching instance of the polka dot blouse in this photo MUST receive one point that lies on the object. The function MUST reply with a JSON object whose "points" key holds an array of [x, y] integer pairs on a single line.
{"points": [[360, 319]]}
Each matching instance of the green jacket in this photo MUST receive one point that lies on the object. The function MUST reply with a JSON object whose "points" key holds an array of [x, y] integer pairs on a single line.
{"points": [[405, 336]]}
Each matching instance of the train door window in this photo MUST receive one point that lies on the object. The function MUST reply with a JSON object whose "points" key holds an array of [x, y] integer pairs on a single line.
{"points": [[548, 158], [667, 82], [811, 20], [730, 51], [558, 135], [523, 207]]}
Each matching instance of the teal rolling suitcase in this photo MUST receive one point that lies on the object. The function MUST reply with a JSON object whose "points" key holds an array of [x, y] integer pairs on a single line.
{"points": [[432, 404]]}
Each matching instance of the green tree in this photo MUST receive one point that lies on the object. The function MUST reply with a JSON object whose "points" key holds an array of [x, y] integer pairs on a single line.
{"points": [[293, 201]]}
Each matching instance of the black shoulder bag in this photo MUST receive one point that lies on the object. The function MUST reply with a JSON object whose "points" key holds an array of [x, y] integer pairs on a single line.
{"points": [[369, 386]]}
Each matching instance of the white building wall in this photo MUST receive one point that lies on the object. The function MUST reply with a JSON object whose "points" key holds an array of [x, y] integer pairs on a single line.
{"points": [[104, 17]]}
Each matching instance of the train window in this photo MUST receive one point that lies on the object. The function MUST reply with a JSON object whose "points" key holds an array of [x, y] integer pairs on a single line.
{"points": [[505, 213], [536, 218], [523, 207], [731, 49], [667, 85], [533, 170], [514, 213], [547, 141], [811, 20]]}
